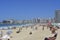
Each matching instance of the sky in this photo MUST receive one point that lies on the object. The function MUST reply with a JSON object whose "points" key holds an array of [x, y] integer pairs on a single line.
{"points": [[28, 9]]}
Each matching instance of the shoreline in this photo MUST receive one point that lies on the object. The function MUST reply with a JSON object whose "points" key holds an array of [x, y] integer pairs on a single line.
{"points": [[10, 27], [24, 33]]}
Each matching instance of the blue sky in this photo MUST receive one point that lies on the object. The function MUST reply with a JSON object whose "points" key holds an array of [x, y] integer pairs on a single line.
{"points": [[28, 9]]}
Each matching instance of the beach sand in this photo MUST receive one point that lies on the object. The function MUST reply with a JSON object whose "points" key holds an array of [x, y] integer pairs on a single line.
{"points": [[37, 34]]}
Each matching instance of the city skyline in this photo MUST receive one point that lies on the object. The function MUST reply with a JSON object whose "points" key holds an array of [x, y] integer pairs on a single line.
{"points": [[28, 9]]}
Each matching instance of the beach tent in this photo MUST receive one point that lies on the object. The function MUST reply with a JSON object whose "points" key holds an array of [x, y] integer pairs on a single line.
{"points": [[6, 37]]}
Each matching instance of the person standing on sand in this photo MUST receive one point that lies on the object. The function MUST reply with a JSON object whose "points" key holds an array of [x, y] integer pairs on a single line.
{"points": [[48, 24], [43, 27]]}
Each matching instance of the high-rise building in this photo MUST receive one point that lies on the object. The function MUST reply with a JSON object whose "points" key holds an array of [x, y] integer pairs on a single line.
{"points": [[57, 16]]}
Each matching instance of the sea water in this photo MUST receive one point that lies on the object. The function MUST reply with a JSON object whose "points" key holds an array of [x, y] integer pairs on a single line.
{"points": [[6, 26]]}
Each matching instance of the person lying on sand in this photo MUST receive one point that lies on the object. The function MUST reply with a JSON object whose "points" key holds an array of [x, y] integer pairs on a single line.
{"points": [[53, 34], [51, 38]]}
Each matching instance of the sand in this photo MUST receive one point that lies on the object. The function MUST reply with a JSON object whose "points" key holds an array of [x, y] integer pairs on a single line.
{"points": [[37, 34]]}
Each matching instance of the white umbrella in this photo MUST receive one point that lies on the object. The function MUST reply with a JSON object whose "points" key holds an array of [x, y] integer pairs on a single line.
{"points": [[6, 36]]}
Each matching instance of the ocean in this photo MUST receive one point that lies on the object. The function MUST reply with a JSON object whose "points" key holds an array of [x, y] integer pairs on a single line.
{"points": [[5, 26]]}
